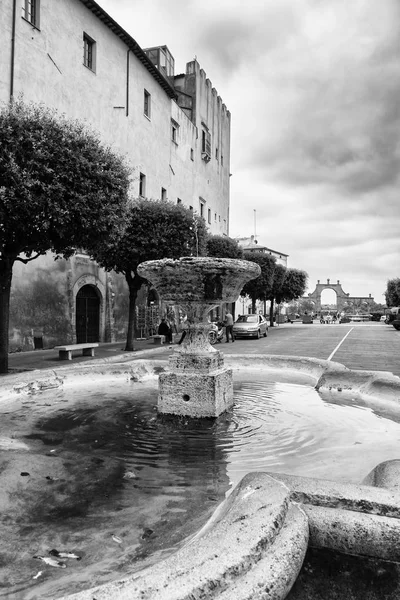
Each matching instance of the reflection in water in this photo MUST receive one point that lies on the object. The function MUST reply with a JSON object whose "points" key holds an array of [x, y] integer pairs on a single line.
{"points": [[120, 486]]}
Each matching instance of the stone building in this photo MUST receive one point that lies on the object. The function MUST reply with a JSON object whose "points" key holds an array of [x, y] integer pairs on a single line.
{"points": [[173, 128], [251, 246]]}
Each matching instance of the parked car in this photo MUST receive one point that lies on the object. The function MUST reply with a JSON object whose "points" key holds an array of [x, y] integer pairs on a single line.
{"points": [[250, 326]]}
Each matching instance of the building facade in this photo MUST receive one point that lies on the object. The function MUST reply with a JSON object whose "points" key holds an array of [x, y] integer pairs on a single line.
{"points": [[251, 246], [174, 131]]}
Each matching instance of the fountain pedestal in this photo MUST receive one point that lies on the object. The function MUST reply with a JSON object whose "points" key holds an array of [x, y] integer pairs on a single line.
{"points": [[197, 384]]}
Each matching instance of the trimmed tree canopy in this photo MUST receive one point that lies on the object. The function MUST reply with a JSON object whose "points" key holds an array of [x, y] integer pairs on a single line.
{"points": [[221, 246], [153, 230], [294, 285], [260, 288], [392, 293], [60, 189]]}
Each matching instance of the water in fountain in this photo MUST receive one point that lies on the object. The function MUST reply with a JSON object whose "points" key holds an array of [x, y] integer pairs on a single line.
{"points": [[120, 486]]}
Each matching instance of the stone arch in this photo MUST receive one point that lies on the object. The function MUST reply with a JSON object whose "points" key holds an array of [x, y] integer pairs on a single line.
{"points": [[341, 296]]}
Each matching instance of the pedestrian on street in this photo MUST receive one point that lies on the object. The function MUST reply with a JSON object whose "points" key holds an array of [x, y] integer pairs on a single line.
{"points": [[185, 327], [229, 326], [165, 329]]}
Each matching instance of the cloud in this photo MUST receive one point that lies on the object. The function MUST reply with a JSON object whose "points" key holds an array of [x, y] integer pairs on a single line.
{"points": [[327, 102]]}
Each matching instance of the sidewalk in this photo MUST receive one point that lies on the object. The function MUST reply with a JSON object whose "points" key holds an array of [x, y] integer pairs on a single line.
{"points": [[48, 359]]}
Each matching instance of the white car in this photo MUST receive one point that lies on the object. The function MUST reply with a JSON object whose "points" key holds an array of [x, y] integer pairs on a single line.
{"points": [[250, 326]]}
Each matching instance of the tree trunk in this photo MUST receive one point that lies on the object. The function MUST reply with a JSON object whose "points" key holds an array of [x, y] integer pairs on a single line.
{"points": [[253, 304], [6, 267], [271, 313], [134, 284]]}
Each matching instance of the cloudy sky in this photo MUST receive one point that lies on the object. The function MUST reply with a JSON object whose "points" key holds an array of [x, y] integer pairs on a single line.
{"points": [[314, 92]]}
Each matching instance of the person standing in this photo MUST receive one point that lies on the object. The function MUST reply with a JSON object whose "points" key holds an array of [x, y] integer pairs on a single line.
{"points": [[165, 329], [229, 326], [185, 327]]}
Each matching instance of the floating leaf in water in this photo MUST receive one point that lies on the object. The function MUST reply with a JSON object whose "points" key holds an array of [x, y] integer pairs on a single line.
{"points": [[52, 562], [117, 539], [64, 554], [37, 575]]}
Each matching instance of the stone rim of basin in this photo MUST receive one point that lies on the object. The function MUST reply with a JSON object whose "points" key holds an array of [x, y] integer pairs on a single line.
{"points": [[368, 515]]}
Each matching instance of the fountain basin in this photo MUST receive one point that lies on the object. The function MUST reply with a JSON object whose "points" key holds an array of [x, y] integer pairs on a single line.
{"points": [[345, 517], [204, 281]]}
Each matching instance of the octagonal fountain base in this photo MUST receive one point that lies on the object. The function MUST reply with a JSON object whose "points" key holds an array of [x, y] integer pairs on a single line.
{"points": [[198, 386]]}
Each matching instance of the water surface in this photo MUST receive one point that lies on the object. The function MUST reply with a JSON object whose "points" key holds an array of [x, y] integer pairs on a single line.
{"points": [[107, 478]]}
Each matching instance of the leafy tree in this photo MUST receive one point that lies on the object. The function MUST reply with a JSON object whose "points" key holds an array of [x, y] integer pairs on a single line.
{"points": [[60, 189], [392, 293], [294, 285], [221, 246], [153, 230], [357, 306], [260, 288], [279, 277]]}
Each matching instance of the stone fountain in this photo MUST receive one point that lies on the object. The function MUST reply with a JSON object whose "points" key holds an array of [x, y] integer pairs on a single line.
{"points": [[197, 384]]}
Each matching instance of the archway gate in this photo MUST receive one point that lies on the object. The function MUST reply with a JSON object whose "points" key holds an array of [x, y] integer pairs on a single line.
{"points": [[342, 299]]}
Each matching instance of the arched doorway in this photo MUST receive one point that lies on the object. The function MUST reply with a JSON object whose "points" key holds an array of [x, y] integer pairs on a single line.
{"points": [[87, 315]]}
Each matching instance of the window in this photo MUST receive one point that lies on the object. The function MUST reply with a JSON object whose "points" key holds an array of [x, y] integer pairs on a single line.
{"points": [[215, 217], [174, 131], [146, 104], [222, 160], [191, 154], [209, 215], [142, 184], [163, 194], [216, 153], [205, 145], [202, 207], [191, 208], [89, 52], [31, 9], [179, 201]]}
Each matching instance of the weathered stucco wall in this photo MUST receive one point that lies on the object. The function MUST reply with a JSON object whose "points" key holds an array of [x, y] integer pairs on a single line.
{"points": [[48, 68]]}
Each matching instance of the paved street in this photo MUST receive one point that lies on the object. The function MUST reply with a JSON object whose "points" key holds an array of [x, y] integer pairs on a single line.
{"points": [[367, 346]]}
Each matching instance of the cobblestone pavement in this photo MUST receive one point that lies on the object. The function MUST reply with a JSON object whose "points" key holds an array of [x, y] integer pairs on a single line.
{"points": [[366, 346]]}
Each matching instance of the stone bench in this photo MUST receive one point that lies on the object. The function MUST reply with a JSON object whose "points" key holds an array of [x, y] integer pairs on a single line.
{"points": [[158, 339], [65, 352]]}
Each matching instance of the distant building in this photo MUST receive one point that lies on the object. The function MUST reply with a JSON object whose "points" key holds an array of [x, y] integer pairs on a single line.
{"points": [[250, 245], [174, 129]]}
